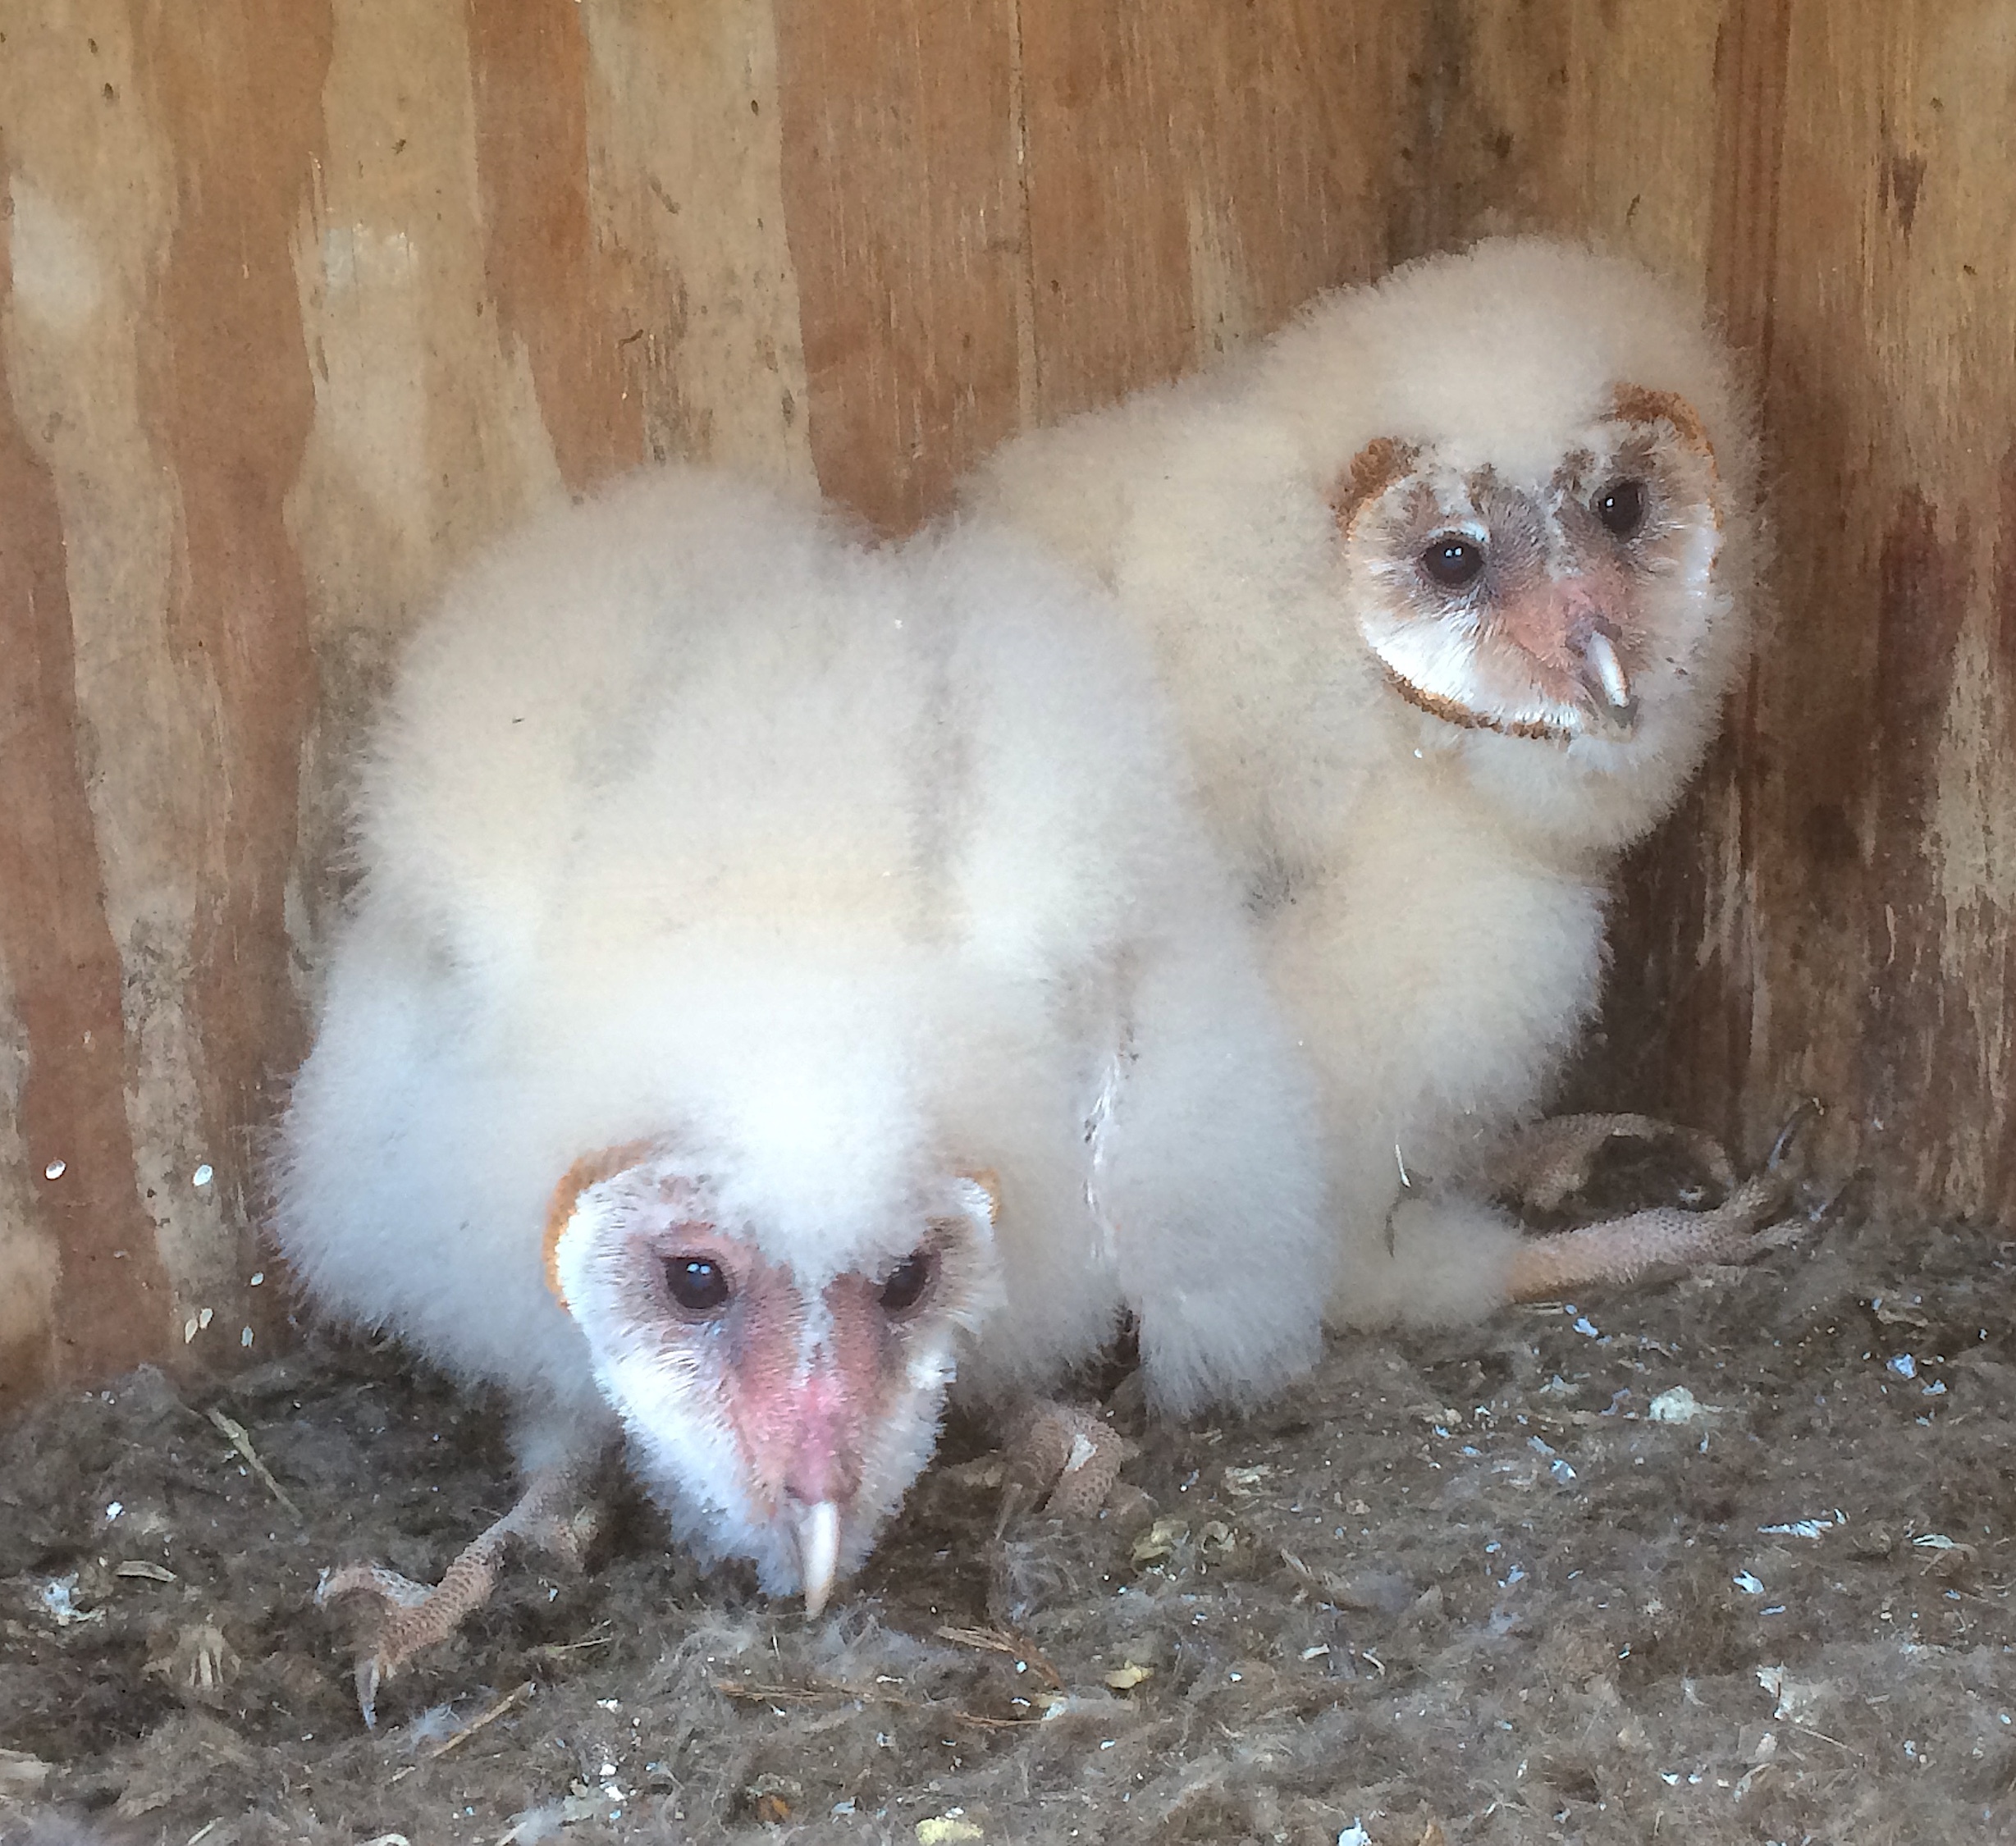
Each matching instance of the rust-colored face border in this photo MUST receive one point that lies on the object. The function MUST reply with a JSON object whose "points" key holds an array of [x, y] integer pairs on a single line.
{"points": [[590, 1169], [1367, 475]]}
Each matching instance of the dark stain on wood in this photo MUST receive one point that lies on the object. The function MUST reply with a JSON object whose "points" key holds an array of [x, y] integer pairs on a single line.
{"points": [[1752, 71], [553, 290], [113, 1301], [1910, 1056], [1903, 175], [237, 89]]}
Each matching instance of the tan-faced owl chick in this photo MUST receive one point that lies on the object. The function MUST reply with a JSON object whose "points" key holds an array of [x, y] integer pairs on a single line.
{"points": [[1448, 579], [785, 972]]}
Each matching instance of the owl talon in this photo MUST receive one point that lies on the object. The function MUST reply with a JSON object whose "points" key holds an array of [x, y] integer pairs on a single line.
{"points": [[1620, 1251], [411, 1616]]}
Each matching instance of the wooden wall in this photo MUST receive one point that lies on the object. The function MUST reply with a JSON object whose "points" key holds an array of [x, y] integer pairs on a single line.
{"points": [[301, 299]]}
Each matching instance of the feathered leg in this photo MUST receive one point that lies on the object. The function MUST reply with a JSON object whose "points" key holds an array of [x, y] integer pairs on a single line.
{"points": [[549, 1514]]}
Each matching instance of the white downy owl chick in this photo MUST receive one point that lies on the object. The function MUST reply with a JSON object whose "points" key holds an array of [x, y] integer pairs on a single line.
{"points": [[746, 913], [1448, 578]]}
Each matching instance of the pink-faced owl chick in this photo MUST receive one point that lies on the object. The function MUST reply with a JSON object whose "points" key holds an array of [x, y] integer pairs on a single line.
{"points": [[784, 973], [1448, 579]]}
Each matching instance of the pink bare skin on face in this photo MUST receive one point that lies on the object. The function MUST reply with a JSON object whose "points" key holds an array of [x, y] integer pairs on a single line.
{"points": [[804, 1381]]}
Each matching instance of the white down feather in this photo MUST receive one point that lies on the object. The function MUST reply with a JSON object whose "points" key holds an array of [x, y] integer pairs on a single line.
{"points": [[852, 866], [1432, 896]]}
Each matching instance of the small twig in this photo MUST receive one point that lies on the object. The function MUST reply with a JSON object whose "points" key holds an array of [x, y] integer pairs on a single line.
{"points": [[510, 1701], [743, 1690], [552, 1650], [234, 1434], [1808, 1731], [998, 1641]]}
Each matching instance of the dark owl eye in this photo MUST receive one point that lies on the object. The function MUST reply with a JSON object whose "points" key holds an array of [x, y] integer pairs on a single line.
{"points": [[907, 1282], [698, 1283], [1452, 562], [1622, 507]]}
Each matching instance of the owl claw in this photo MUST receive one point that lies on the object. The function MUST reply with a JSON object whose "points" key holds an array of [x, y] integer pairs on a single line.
{"points": [[368, 1678], [1620, 1251], [411, 1616]]}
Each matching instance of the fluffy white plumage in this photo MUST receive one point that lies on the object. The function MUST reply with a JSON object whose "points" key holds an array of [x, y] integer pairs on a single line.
{"points": [[806, 877], [1448, 579]]}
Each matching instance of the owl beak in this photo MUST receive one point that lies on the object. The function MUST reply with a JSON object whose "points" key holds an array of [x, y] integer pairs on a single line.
{"points": [[1609, 686], [819, 1553]]}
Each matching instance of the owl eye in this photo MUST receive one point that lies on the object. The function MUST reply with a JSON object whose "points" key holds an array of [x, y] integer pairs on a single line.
{"points": [[908, 1281], [1622, 507], [1452, 562], [698, 1283]]}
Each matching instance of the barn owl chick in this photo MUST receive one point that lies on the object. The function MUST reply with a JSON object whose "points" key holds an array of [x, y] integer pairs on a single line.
{"points": [[1448, 579], [784, 973]]}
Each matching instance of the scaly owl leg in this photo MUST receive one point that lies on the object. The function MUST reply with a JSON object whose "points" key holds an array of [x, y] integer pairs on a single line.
{"points": [[549, 1514], [1620, 1251], [1541, 1166], [1071, 1455]]}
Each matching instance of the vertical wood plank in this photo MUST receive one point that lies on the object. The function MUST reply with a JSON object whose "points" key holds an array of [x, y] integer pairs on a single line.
{"points": [[546, 274], [1885, 861], [1195, 172], [686, 160], [107, 1300], [903, 198], [235, 90]]}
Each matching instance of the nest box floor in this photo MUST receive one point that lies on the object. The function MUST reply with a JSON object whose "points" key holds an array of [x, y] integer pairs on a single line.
{"points": [[1463, 1588]]}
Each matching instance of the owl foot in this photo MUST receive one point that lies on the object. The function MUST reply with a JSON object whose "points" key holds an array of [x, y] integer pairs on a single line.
{"points": [[1544, 1165], [1065, 1460], [411, 1616], [1620, 1251]]}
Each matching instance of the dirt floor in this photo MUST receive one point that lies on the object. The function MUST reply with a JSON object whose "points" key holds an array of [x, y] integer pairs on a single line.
{"points": [[1728, 1560]]}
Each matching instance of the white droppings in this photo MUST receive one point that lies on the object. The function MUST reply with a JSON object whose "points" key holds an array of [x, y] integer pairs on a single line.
{"points": [[204, 1317], [259, 1276], [1747, 1583], [1680, 1404], [56, 1169], [113, 1510], [203, 1175], [189, 1330], [244, 1336]]}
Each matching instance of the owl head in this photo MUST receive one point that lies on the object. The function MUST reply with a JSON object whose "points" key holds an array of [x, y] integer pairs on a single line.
{"points": [[1535, 604], [1544, 530], [779, 1393]]}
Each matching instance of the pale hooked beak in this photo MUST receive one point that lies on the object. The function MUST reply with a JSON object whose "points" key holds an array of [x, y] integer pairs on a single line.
{"points": [[819, 1553], [1603, 673]]}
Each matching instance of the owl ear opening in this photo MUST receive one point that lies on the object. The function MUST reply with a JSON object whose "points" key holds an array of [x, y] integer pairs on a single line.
{"points": [[1367, 475], [590, 1169]]}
